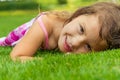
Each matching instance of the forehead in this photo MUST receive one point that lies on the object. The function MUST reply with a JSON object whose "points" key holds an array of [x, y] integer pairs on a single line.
{"points": [[92, 28]]}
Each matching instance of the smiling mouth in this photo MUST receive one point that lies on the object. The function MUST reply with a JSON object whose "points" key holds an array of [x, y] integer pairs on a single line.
{"points": [[66, 45]]}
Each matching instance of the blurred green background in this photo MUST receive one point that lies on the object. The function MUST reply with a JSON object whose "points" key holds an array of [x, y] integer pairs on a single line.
{"points": [[33, 7], [19, 11], [46, 4]]}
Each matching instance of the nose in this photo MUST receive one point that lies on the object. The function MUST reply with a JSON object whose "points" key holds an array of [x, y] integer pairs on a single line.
{"points": [[78, 41]]}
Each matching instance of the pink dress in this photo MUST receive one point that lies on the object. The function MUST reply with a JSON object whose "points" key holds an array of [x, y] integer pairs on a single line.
{"points": [[16, 35]]}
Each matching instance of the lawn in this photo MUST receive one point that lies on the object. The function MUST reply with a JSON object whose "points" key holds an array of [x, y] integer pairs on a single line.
{"points": [[54, 65]]}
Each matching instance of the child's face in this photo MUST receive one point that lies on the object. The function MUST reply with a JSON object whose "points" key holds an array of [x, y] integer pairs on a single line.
{"points": [[82, 35]]}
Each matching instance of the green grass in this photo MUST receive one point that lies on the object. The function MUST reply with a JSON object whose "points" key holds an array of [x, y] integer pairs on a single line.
{"points": [[54, 65]]}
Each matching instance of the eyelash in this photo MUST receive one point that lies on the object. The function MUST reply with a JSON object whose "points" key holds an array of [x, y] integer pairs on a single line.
{"points": [[88, 47], [81, 29]]}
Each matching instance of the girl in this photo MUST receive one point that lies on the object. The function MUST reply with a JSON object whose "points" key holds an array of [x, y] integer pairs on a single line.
{"points": [[91, 28]]}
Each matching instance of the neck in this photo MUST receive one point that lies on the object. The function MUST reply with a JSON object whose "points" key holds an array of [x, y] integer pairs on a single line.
{"points": [[54, 27], [57, 28]]}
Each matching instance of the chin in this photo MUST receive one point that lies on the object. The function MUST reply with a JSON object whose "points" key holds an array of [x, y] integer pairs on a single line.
{"points": [[61, 48]]}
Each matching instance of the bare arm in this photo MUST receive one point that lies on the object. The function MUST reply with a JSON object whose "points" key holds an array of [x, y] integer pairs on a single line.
{"points": [[29, 44]]}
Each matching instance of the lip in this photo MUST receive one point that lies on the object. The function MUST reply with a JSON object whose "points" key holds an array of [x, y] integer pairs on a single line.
{"points": [[66, 45]]}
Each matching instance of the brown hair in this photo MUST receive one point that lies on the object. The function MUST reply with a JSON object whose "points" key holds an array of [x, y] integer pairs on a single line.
{"points": [[62, 15], [109, 19]]}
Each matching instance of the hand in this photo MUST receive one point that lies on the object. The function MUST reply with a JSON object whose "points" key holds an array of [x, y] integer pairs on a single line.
{"points": [[24, 59]]}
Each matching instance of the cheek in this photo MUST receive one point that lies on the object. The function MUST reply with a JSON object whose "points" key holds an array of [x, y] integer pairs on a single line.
{"points": [[70, 25], [70, 29]]}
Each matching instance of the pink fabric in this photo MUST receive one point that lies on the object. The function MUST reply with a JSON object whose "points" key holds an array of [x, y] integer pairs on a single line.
{"points": [[44, 30], [15, 36]]}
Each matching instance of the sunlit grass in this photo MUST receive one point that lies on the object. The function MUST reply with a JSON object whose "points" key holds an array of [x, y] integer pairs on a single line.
{"points": [[54, 65]]}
